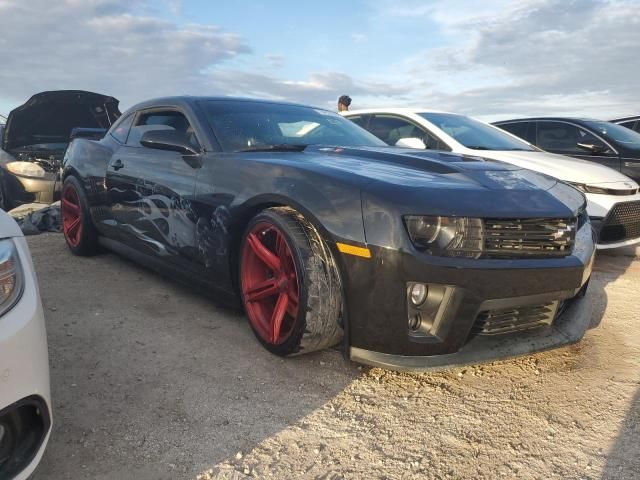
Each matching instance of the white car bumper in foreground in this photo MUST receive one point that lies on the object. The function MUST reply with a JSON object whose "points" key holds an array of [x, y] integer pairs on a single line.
{"points": [[616, 218], [25, 403]]}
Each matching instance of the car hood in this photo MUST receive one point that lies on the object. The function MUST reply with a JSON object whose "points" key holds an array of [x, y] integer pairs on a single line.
{"points": [[417, 179], [48, 118], [428, 168], [565, 168]]}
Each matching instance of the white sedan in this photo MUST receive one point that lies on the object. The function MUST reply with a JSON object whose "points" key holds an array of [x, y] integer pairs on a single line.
{"points": [[613, 199], [25, 403]]}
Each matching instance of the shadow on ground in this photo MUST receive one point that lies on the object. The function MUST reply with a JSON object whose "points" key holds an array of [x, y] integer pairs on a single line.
{"points": [[623, 460]]}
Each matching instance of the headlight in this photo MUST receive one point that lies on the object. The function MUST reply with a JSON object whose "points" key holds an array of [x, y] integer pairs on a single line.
{"points": [[11, 276], [590, 188], [27, 169], [446, 236]]}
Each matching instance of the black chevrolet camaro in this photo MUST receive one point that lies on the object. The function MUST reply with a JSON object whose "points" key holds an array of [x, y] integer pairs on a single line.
{"points": [[411, 259]]}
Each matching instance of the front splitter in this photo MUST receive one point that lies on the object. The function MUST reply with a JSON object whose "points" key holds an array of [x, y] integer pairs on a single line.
{"points": [[567, 329]]}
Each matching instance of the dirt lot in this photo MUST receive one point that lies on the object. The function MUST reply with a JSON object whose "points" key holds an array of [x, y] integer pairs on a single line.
{"points": [[151, 381]]}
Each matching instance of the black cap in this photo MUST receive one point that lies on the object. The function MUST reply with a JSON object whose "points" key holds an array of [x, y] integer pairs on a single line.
{"points": [[345, 100]]}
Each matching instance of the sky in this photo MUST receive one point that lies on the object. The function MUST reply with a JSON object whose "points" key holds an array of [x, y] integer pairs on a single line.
{"points": [[494, 59]]}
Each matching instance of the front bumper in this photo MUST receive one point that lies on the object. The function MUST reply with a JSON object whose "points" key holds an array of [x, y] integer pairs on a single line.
{"points": [[567, 328], [377, 310], [24, 375]]}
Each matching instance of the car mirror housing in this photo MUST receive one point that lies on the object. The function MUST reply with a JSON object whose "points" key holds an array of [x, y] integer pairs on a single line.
{"points": [[411, 142], [171, 140]]}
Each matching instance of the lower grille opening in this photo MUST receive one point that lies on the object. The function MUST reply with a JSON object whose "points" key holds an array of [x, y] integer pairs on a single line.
{"points": [[514, 319], [622, 223]]}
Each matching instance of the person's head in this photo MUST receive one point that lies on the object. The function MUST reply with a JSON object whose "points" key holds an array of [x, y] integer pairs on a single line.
{"points": [[343, 103]]}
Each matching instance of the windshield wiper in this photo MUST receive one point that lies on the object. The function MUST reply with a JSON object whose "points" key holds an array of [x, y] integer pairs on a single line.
{"points": [[282, 147]]}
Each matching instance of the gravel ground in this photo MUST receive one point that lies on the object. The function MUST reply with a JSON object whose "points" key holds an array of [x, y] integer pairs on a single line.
{"points": [[151, 381]]}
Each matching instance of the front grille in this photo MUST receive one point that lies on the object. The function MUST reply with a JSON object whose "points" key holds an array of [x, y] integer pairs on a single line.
{"points": [[622, 223], [514, 319], [531, 237]]}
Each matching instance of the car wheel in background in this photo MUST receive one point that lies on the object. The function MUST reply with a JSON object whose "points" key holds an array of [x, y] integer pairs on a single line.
{"points": [[78, 229], [290, 284]]}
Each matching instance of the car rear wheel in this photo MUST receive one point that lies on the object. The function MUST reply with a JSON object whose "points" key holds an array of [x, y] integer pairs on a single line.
{"points": [[78, 229], [290, 284]]}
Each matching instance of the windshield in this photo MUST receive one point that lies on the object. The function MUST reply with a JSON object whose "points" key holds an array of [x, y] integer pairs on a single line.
{"points": [[245, 125], [620, 134], [475, 134]]}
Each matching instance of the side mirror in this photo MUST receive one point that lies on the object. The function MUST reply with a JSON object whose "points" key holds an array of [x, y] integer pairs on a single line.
{"points": [[411, 142], [594, 148], [171, 140]]}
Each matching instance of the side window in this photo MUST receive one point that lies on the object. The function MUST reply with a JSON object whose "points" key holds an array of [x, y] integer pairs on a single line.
{"points": [[630, 124], [360, 120], [392, 129], [518, 129], [121, 129], [563, 137], [161, 120], [434, 143]]}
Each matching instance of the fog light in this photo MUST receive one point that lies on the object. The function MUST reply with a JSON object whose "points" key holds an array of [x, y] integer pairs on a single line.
{"points": [[418, 294], [414, 322]]}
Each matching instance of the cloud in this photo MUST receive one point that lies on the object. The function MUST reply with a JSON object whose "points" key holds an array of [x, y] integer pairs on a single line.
{"points": [[320, 89], [106, 46], [501, 58], [567, 57], [275, 60]]}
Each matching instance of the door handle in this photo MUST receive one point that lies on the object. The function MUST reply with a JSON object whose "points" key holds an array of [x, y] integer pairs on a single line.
{"points": [[117, 165]]}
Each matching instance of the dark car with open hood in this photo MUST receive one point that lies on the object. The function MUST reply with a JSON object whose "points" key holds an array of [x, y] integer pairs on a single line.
{"points": [[408, 259], [36, 136]]}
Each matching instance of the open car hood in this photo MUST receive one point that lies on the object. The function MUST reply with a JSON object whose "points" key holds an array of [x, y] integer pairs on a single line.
{"points": [[49, 117]]}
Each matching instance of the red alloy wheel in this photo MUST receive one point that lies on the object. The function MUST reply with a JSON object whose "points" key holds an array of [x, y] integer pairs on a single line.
{"points": [[269, 282], [71, 215]]}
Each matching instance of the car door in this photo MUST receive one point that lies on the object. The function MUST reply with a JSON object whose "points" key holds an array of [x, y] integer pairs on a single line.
{"points": [[564, 138], [392, 128], [150, 190]]}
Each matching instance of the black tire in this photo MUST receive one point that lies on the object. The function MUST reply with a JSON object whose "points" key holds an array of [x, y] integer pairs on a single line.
{"points": [[318, 322], [87, 243], [4, 201]]}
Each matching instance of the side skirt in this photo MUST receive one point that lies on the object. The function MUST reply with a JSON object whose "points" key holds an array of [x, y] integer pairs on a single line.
{"points": [[172, 272]]}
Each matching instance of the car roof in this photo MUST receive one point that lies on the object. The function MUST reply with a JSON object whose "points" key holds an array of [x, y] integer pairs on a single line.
{"points": [[182, 100], [560, 119], [623, 119], [396, 110]]}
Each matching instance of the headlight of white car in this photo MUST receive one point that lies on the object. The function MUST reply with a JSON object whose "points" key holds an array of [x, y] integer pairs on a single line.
{"points": [[27, 169], [11, 276]]}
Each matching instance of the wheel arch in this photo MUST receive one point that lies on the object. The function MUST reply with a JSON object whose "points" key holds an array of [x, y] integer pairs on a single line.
{"points": [[262, 202]]}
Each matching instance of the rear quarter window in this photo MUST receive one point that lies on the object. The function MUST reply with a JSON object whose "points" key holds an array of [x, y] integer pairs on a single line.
{"points": [[120, 130]]}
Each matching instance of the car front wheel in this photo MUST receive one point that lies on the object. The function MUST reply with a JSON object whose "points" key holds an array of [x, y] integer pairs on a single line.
{"points": [[77, 227], [290, 284]]}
